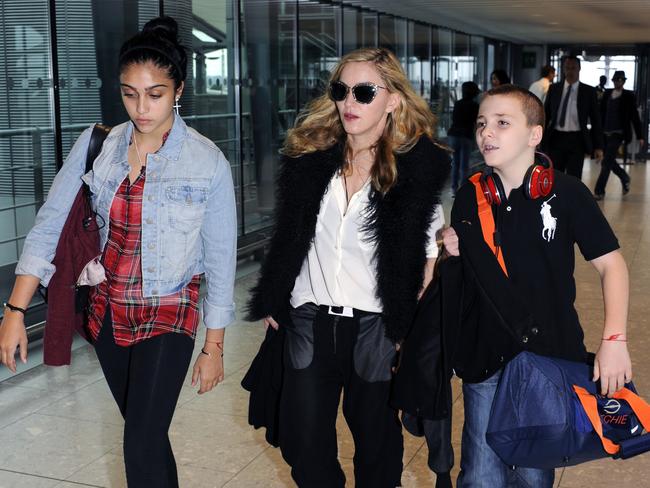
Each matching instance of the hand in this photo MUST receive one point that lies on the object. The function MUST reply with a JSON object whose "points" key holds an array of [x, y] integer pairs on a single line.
{"points": [[598, 154], [208, 370], [12, 335], [612, 366], [641, 142], [270, 321], [450, 241], [398, 346]]}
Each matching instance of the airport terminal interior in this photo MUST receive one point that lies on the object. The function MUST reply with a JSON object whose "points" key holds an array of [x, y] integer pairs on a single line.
{"points": [[254, 66]]}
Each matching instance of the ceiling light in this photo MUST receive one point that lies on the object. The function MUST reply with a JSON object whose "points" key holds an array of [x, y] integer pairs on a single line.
{"points": [[202, 36]]}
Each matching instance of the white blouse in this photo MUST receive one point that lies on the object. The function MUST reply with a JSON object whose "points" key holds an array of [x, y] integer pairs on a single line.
{"points": [[339, 269]]}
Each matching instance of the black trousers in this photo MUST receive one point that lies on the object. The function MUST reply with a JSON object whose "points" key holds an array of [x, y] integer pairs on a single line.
{"points": [[609, 163], [567, 151], [145, 380], [324, 355]]}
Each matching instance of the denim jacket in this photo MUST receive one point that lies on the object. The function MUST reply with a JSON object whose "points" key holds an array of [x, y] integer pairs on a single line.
{"points": [[189, 222]]}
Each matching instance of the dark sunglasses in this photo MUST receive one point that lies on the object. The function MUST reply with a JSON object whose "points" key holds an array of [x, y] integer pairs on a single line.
{"points": [[362, 92]]}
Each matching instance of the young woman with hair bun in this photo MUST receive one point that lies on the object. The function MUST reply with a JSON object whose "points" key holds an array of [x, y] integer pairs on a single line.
{"points": [[166, 195]]}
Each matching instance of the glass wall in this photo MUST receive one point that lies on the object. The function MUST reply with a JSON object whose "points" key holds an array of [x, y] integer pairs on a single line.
{"points": [[359, 29], [477, 52], [253, 65], [462, 65], [442, 89], [27, 146], [269, 99], [27, 159], [419, 58], [393, 35], [318, 35]]}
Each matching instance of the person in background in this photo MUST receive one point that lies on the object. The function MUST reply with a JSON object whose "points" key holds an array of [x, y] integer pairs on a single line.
{"points": [[573, 121], [540, 87], [499, 77], [600, 87], [166, 194], [461, 132], [619, 116], [354, 246]]}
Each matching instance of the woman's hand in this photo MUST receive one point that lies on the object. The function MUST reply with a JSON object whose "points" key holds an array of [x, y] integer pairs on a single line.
{"points": [[208, 368], [450, 241], [12, 335], [612, 366], [270, 321]]}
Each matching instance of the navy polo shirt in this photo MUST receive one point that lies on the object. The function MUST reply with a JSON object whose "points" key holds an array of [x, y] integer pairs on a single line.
{"points": [[538, 240]]}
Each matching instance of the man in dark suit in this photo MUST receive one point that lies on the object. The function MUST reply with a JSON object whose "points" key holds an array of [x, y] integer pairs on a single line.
{"points": [[570, 106], [619, 115]]}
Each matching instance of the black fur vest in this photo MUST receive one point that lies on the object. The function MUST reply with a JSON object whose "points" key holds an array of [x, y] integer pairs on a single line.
{"points": [[397, 221]]}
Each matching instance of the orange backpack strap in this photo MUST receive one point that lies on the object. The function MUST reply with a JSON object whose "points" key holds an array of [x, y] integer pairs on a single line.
{"points": [[487, 220], [588, 401]]}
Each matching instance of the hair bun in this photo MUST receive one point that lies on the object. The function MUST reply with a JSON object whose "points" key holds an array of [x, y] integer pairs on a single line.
{"points": [[163, 26]]}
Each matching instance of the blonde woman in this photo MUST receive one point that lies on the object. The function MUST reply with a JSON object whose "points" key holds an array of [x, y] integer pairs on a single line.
{"points": [[357, 211]]}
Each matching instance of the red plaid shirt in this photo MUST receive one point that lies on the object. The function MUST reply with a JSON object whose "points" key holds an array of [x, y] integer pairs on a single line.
{"points": [[136, 318]]}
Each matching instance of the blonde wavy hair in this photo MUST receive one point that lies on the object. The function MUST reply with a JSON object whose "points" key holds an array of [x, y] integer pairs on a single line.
{"points": [[319, 126]]}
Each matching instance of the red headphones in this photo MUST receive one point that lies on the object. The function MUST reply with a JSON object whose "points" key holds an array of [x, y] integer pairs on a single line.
{"points": [[538, 181]]}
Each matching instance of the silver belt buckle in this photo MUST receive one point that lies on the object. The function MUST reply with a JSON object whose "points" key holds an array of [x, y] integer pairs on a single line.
{"points": [[347, 311]]}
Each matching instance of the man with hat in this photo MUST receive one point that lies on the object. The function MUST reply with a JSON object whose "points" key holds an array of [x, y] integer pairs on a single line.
{"points": [[619, 114]]}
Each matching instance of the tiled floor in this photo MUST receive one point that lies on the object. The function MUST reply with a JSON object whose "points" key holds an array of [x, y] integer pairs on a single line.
{"points": [[60, 428]]}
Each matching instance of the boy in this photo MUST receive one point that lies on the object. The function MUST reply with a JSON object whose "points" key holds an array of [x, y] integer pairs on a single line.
{"points": [[535, 239]]}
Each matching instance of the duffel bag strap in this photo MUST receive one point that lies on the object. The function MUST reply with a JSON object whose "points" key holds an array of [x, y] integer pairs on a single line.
{"points": [[486, 218], [639, 406], [590, 405]]}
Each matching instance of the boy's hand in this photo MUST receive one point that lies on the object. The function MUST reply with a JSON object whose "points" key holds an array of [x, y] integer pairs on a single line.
{"points": [[450, 241], [612, 366]]}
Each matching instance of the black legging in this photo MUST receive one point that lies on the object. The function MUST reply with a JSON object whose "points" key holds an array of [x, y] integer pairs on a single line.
{"points": [[146, 380]]}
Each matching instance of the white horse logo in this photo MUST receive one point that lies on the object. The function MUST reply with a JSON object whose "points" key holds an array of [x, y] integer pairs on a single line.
{"points": [[550, 222]]}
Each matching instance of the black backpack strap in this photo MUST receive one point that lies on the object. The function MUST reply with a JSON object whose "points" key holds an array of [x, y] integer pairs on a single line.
{"points": [[96, 141], [97, 138]]}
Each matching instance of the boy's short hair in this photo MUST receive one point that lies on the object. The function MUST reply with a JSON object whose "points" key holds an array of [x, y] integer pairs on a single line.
{"points": [[531, 106]]}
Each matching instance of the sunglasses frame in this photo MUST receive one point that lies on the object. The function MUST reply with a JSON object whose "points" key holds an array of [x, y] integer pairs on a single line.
{"points": [[349, 89]]}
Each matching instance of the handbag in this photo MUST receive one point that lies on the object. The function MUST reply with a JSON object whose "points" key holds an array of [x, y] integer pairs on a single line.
{"points": [[78, 245], [547, 413], [264, 382]]}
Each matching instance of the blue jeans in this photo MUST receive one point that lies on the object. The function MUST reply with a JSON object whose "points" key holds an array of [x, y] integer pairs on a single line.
{"points": [[479, 465], [462, 147]]}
